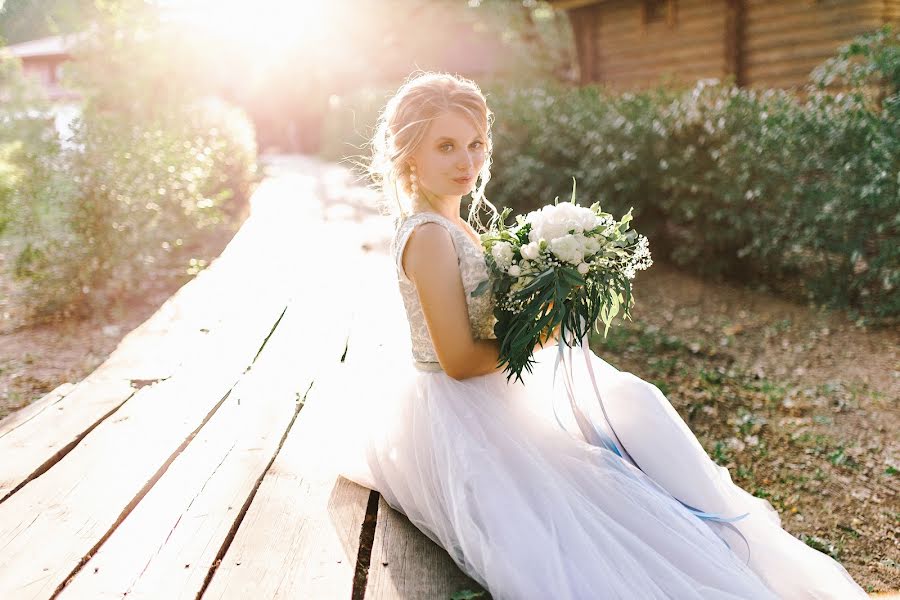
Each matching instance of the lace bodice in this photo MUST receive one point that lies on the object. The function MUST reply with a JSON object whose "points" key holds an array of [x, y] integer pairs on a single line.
{"points": [[473, 270]]}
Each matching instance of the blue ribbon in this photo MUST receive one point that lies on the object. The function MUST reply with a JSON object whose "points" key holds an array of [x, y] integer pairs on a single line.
{"points": [[596, 436]]}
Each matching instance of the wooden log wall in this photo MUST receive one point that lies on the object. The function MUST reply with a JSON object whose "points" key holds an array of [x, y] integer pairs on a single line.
{"points": [[785, 40], [629, 45]]}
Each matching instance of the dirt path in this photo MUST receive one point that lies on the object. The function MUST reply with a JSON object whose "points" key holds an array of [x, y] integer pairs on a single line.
{"points": [[800, 404]]}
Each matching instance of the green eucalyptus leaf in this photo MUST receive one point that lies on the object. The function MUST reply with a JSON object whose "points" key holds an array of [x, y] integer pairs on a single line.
{"points": [[481, 288]]}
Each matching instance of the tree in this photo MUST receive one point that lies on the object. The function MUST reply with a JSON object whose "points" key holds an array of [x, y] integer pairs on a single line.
{"points": [[23, 20]]}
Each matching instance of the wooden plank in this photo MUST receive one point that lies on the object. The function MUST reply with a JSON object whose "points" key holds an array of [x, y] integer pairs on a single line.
{"points": [[33, 441], [166, 547], [800, 34], [66, 513], [33, 410], [653, 76], [37, 443], [804, 49], [620, 51], [300, 537], [685, 30], [766, 9], [407, 564]]}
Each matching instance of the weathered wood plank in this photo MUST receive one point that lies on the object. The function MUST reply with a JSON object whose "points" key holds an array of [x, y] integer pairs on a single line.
{"points": [[406, 564], [50, 526], [57, 519], [39, 442], [166, 547], [300, 536], [33, 440], [33, 410]]}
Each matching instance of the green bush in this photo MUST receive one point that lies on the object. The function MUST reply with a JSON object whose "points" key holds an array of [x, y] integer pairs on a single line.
{"points": [[136, 193], [28, 146], [761, 185], [142, 174]]}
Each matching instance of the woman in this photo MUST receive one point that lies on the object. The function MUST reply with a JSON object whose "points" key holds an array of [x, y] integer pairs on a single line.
{"points": [[480, 464]]}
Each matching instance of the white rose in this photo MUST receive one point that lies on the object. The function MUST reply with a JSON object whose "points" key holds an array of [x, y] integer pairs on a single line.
{"points": [[568, 249], [583, 268], [531, 250], [515, 271], [503, 254], [591, 245]]}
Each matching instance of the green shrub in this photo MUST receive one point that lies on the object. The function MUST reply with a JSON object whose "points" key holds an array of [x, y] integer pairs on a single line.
{"points": [[142, 174], [760, 185], [28, 146], [135, 193]]}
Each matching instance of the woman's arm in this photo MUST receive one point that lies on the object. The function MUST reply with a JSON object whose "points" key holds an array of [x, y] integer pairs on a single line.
{"points": [[430, 261]]}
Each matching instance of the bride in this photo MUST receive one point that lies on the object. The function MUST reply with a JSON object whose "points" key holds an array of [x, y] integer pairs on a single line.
{"points": [[481, 465]]}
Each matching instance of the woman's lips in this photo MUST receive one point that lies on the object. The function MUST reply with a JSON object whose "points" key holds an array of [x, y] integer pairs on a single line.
{"points": [[463, 180]]}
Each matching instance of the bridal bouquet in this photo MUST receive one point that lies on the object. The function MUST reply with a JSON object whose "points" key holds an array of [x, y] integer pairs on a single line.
{"points": [[563, 264], [569, 265]]}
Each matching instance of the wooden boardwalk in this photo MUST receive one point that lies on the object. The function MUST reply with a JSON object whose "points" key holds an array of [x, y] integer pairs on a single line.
{"points": [[177, 469]]}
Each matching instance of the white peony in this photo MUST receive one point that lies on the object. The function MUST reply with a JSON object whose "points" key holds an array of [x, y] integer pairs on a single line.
{"points": [[591, 245], [531, 250], [568, 249], [503, 254], [515, 271], [555, 221]]}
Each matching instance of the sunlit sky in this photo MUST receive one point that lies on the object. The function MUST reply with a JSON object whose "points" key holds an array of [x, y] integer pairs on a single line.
{"points": [[263, 26]]}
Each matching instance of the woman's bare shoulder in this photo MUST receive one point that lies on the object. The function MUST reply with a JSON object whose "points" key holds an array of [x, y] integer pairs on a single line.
{"points": [[429, 249]]}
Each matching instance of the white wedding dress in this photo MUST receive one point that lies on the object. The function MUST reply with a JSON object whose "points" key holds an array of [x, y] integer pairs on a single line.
{"points": [[482, 467]]}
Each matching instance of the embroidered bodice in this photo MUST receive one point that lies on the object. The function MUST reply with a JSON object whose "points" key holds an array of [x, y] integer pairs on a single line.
{"points": [[473, 270]]}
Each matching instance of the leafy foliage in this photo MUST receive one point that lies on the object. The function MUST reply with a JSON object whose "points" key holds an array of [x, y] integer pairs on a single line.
{"points": [[578, 277], [146, 167], [800, 193], [23, 20]]}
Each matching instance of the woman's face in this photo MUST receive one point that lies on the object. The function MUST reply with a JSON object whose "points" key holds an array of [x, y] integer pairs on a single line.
{"points": [[450, 156]]}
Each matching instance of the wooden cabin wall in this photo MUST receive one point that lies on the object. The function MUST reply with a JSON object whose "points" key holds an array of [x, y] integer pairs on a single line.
{"points": [[763, 43], [632, 55], [785, 39], [892, 12]]}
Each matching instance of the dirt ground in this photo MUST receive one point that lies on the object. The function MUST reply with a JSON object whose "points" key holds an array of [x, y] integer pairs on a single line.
{"points": [[35, 360], [800, 404]]}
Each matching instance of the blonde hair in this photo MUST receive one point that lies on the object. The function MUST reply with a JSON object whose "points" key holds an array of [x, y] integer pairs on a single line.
{"points": [[402, 124]]}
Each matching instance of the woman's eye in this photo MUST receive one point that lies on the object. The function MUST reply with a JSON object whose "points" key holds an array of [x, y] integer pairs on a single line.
{"points": [[477, 144], [446, 146]]}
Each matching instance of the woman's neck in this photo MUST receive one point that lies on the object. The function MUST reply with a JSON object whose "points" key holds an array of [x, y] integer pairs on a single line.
{"points": [[447, 206]]}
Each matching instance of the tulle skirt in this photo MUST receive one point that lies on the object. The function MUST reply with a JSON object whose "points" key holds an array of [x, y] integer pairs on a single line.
{"points": [[529, 510]]}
